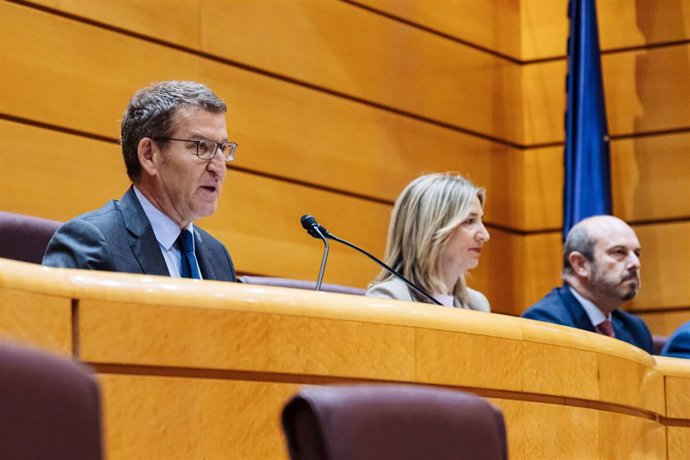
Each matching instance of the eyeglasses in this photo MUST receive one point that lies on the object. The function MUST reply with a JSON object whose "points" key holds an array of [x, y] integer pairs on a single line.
{"points": [[206, 149]]}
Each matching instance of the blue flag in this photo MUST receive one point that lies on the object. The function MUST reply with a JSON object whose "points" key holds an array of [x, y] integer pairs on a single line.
{"points": [[587, 164]]}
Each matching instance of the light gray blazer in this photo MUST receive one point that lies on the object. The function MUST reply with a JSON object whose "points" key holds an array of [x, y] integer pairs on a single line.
{"points": [[397, 289]]}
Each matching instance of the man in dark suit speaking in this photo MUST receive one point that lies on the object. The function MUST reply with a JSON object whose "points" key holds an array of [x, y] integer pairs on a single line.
{"points": [[601, 270], [175, 146]]}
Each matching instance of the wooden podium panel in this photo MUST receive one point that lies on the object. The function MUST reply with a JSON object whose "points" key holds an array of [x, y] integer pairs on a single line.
{"points": [[202, 369], [42, 320]]}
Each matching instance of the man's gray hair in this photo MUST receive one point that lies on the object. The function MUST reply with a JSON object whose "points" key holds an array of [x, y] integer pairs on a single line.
{"points": [[578, 239], [151, 111]]}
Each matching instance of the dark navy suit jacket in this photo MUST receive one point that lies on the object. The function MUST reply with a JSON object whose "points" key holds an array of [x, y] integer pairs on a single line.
{"points": [[119, 238], [678, 345], [561, 307]]}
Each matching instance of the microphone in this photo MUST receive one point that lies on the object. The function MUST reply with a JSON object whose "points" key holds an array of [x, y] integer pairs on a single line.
{"points": [[312, 227], [318, 231]]}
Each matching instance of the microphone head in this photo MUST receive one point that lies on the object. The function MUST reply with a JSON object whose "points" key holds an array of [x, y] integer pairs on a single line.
{"points": [[310, 225], [308, 221]]}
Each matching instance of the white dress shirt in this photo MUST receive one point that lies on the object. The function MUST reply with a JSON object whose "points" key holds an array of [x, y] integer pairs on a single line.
{"points": [[166, 231]]}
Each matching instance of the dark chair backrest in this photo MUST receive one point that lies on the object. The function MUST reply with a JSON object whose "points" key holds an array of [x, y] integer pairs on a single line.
{"points": [[49, 407], [300, 284], [25, 238], [401, 422], [658, 342]]}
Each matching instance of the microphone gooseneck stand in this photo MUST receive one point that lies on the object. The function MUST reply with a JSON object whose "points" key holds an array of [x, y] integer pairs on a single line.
{"points": [[319, 231]]}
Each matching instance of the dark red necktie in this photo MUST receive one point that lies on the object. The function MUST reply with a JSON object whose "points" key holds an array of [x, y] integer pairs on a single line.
{"points": [[606, 328]]}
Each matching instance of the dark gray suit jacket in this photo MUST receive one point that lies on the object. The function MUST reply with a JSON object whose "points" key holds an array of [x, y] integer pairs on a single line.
{"points": [[119, 238]]}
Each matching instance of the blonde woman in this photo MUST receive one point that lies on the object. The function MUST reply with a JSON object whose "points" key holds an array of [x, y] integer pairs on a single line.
{"points": [[435, 236]]}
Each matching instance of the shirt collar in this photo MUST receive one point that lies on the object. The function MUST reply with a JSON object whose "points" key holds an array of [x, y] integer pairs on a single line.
{"points": [[595, 315], [165, 229]]}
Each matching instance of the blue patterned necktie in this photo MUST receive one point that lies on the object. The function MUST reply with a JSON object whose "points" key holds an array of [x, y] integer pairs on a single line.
{"points": [[189, 267]]}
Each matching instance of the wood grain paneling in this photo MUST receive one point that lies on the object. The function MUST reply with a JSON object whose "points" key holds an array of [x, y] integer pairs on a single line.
{"points": [[444, 80], [650, 181], [645, 92], [183, 418], [38, 319], [317, 136], [678, 443], [666, 322], [525, 30], [283, 129], [492, 24], [666, 249], [435, 349], [516, 271], [651, 177], [678, 396], [622, 24], [54, 175], [175, 21], [644, 387], [537, 430], [204, 338], [193, 369]]}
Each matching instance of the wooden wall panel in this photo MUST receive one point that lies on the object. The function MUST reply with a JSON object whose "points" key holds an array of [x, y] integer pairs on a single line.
{"points": [[651, 177], [665, 322], [645, 92], [622, 24], [283, 129], [89, 70], [175, 21], [445, 80], [493, 24], [516, 271], [55, 175], [666, 251]]}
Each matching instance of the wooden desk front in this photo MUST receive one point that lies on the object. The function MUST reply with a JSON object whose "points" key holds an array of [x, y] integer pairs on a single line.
{"points": [[193, 369]]}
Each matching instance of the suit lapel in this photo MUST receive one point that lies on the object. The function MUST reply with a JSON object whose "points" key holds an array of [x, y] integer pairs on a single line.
{"points": [[144, 244], [204, 258], [619, 329], [579, 315]]}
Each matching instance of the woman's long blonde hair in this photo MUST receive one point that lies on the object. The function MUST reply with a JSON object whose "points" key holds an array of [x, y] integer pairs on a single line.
{"points": [[424, 216]]}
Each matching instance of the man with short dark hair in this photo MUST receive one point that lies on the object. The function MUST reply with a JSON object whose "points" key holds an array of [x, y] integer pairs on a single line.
{"points": [[175, 146], [601, 270]]}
